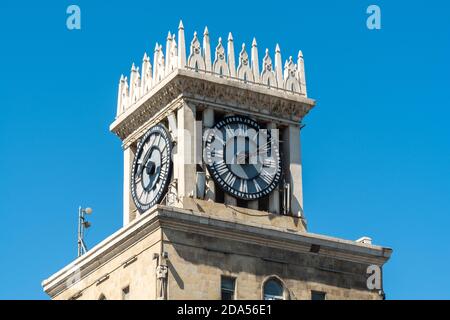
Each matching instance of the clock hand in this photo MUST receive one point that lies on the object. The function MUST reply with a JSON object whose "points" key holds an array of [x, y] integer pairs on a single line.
{"points": [[144, 162], [259, 150]]}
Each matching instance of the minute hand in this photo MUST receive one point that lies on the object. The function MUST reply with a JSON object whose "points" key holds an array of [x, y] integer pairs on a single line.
{"points": [[258, 151]]}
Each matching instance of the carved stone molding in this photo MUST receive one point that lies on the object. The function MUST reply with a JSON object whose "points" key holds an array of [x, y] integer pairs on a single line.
{"points": [[281, 105]]}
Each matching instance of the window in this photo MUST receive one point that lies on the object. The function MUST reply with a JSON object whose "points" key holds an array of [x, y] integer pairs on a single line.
{"points": [[317, 295], [228, 285], [273, 290], [126, 293]]}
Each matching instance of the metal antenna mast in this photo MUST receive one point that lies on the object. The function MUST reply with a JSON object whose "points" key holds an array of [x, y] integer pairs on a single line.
{"points": [[83, 224]]}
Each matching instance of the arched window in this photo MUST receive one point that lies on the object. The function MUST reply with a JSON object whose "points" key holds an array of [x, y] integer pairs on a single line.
{"points": [[273, 290]]}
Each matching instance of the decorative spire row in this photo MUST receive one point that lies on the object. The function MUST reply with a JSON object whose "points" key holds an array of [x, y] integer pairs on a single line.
{"points": [[291, 78]]}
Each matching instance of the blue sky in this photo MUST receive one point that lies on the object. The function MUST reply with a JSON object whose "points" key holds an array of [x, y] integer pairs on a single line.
{"points": [[376, 149]]}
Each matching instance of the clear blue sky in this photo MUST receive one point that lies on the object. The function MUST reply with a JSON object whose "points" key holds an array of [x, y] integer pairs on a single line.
{"points": [[376, 149]]}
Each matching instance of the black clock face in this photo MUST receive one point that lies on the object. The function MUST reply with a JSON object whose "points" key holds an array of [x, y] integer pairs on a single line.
{"points": [[242, 158], [150, 174]]}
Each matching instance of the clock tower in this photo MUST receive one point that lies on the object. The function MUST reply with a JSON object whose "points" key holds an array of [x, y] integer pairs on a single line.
{"points": [[212, 188], [190, 94]]}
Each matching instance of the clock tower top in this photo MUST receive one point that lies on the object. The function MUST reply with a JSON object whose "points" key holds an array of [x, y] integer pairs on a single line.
{"points": [[186, 93], [256, 85]]}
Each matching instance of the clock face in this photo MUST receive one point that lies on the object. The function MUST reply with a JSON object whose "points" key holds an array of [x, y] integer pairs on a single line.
{"points": [[150, 174], [243, 159]]}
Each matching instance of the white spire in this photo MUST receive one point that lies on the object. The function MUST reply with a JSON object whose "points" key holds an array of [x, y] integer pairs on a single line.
{"points": [[161, 64], [230, 49], [134, 83], [247, 68], [168, 47], [155, 62], [121, 95], [255, 61], [278, 67], [286, 69], [301, 73], [146, 81], [173, 54], [207, 49], [181, 46]]}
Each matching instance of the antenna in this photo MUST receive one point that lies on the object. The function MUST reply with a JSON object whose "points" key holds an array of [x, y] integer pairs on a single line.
{"points": [[83, 224]]}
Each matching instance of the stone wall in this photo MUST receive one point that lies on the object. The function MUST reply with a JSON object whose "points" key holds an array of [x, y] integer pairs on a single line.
{"points": [[197, 263], [202, 247]]}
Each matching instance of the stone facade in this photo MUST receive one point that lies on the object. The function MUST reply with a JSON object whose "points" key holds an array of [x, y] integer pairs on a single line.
{"points": [[201, 247]]}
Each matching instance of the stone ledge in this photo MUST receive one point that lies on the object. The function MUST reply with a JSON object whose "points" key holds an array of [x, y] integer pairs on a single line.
{"points": [[196, 222], [273, 104]]}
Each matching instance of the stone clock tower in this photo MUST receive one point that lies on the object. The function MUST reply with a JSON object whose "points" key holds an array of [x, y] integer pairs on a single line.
{"points": [[212, 192]]}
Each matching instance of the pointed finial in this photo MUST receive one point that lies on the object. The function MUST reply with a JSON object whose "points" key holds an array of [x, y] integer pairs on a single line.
{"points": [[267, 51], [220, 40], [181, 60], [301, 73], [255, 60], [157, 47], [169, 36], [195, 34], [122, 78], [278, 67], [290, 59], [133, 67], [230, 51], [145, 58], [207, 50], [243, 46]]}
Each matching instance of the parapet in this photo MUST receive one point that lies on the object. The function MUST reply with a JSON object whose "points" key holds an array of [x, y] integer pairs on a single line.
{"points": [[290, 79]]}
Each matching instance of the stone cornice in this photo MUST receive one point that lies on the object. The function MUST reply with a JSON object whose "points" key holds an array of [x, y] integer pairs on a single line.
{"points": [[274, 237], [101, 253], [208, 89], [200, 223]]}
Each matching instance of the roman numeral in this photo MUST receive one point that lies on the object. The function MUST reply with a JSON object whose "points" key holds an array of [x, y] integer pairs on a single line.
{"points": [[242, 130], [217, 153], [230, 179], [243, 186], [137, 179], [229, 132], [266, 176], [257, 186], [221, 167], [269, 163]]}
